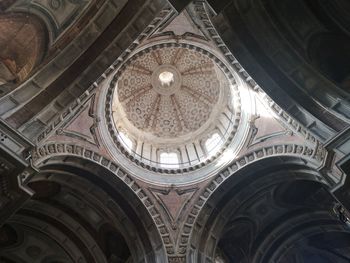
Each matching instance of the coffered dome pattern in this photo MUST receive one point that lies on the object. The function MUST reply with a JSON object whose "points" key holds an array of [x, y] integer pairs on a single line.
{"points": [[173, 108]]}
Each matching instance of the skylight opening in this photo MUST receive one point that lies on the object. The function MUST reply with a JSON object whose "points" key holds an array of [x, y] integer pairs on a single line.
{"points": [[125, 141], [169, 160], [213, 144], [166, 78]]}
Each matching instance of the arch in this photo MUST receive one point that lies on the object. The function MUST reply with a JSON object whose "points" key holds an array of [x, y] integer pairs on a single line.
{"points": [[303, 155], [309, 240], [330, 54], [75, 179], [114, 244], [41, 237], [243, 230], [17, 58], [234, 32], [58, 152], [251, 186], [296, 193]]}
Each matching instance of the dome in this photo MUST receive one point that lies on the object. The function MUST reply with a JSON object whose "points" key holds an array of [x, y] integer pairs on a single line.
{"points": [[169, 94], [173, 108]]}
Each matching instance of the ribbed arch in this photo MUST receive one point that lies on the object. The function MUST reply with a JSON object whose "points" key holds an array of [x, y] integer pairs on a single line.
{"points": [[271, 194]]}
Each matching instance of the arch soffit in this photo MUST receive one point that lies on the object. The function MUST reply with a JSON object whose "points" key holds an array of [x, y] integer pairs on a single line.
{"points": [[55, 153], [110, 212], [294, 122], [58, 16], [279, 153], [21, 60], [275, 155]]}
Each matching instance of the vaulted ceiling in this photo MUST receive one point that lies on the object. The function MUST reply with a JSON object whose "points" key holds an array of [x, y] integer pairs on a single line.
{"points": [[174, 131]]}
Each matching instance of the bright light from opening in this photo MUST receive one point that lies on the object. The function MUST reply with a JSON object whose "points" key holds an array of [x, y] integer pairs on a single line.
{"points": [[226, 157], [166, 78], [125, 140], [213, 144], [169, 160]]}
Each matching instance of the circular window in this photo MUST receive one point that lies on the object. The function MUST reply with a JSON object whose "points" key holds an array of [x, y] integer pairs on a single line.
{"points": [[166, 78]]}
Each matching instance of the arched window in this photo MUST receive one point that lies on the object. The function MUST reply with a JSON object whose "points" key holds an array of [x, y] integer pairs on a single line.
{"points": [[125, 141], [212, 145], [169, 160]]}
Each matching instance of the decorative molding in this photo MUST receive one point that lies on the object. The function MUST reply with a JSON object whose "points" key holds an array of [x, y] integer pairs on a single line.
{"points": [[57, 14], [92, 138], [177, 259], [254, 140], [201, 9], [76, 104], [173, 201], [15, 170], [269, 136], [109, 103], [49, 150], [313, 156], [47, 233]]}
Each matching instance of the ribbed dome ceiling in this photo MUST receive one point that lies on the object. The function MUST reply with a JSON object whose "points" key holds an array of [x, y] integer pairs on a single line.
{"points": [[169, 92], [173, 108]]}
